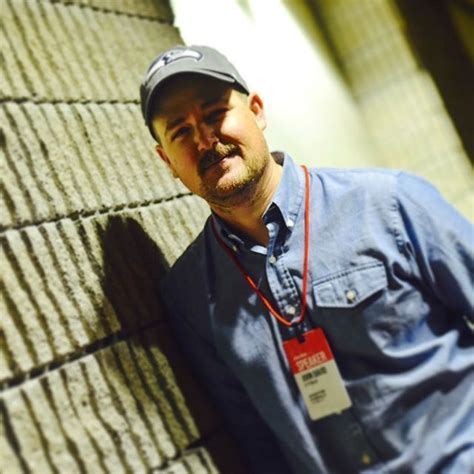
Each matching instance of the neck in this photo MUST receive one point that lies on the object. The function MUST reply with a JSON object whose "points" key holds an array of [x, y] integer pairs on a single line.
{"points": [[246, 218]]}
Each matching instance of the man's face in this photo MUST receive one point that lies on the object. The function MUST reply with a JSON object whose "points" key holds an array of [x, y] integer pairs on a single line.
{"points": [[212, 138]]}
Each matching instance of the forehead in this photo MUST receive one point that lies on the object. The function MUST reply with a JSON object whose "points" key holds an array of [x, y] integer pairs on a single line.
{"points": [[186, 89]]}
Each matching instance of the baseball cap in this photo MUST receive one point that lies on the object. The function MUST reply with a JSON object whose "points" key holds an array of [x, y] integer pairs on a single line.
{"points": [[185, 59]]}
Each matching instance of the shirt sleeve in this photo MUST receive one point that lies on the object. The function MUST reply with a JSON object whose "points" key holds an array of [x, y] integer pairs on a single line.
{"points": [[439, 243], [253, 436]]}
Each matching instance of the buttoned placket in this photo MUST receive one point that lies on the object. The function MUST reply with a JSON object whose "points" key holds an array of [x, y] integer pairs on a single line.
{"points": [[280, 281], [288, 300], [280, 219]]}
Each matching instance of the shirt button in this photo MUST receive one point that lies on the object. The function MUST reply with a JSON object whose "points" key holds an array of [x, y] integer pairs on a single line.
{"points": [[351, 296], [272, 259], [234, 248], [290, 310], [366, 459], [290, 223]]}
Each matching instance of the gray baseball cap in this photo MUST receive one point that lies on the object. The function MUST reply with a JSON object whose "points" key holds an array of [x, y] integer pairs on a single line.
{"points": [[185, 59]]}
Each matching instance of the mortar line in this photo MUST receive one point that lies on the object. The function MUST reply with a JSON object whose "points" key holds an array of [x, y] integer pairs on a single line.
{"points": [[29, 100], [88, 349], [82, 215], [109, 11]]}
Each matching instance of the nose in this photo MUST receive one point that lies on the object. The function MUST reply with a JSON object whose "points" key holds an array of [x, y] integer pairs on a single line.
{"points": [[205, 137]]}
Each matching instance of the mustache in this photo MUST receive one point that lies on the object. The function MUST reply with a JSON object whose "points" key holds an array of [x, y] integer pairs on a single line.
{"points": [[209, 157]]}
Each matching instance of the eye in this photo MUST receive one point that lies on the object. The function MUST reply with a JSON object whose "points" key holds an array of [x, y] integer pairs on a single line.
{"points": [[215, 115], [180, 132]]}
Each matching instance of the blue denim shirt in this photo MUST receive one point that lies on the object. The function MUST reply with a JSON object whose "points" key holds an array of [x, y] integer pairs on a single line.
{"points": [[391, 267]]}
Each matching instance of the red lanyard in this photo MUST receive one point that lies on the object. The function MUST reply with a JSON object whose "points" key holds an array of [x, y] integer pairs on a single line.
{"points": [[262, 297]]}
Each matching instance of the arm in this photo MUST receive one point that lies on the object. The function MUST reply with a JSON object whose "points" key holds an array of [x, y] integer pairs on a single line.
{"points": [[439, 244], [252, 434]]}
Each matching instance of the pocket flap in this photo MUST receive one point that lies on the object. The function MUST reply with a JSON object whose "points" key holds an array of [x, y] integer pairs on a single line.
{"points": [[348, 288]]}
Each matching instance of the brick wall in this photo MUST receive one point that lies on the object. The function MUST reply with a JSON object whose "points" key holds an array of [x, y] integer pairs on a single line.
{"points": [[91, 379]]}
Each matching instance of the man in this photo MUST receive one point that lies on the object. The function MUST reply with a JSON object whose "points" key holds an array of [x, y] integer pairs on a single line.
{"points": [[328, 312]]}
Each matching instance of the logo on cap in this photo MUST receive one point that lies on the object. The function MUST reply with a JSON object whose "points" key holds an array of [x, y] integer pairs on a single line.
{"points": [[172, 56]]}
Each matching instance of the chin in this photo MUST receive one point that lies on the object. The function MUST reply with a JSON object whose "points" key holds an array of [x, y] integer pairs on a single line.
{"points": [[231, 193], [233, 180], [234, 185]]}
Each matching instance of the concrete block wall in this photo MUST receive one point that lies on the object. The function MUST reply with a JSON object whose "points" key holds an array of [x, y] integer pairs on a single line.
{"points": [[91, 380], [402, 107]]}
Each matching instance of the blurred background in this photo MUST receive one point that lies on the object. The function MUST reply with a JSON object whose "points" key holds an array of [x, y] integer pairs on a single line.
{"points": [[91, 380]]}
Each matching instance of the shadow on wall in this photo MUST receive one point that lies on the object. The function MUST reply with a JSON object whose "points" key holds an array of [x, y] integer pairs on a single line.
{"points": [[133, 267]]}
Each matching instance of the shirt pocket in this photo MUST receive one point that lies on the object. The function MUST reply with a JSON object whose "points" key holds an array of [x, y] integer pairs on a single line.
{"points": [[356, 310], [350, 288]]}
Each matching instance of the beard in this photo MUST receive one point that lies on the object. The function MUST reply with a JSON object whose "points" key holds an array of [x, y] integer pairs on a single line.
{"points": [[235, 185]]}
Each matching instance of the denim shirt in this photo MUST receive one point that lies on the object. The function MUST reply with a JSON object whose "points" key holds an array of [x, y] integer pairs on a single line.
{"points": [[390, 284]]}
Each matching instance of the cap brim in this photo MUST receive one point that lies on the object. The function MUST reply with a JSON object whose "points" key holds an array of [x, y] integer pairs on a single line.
{"points": [[159, 82]]}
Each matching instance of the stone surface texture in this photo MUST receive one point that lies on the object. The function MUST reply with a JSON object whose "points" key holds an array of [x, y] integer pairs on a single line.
{"points": [[90, 219], [91, 380]]}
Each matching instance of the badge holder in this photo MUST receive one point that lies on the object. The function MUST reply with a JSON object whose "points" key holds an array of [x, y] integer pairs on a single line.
{"points": [[316, 373], [308, 352]]}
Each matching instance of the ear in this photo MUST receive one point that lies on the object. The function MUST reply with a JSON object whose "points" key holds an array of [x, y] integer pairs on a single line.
{"points": [[256, 106], [161, 153]]}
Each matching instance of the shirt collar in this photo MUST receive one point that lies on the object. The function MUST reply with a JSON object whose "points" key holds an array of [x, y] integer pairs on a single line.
{"points": [[286, 201], [290, 191]]}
